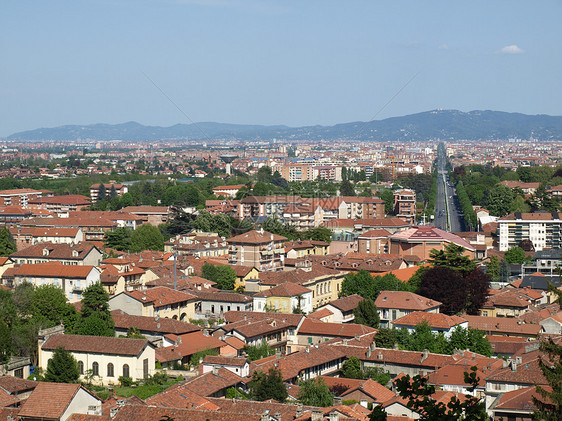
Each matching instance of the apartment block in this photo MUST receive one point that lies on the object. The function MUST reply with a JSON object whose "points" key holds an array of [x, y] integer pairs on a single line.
{"points": [[544, 229]]}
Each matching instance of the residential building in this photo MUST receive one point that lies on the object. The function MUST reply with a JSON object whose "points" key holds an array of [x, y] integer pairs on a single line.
{"points": [[73, 280], [543, 229], [18, 197], [13, 215], [119, 189], [60, 205], [284, 298], [108, 358], [59, 401], [374, 241], [438, 322], [159, 301], [29, 236], [405, 205], [341, 309], [154, 215], [393, 305], [67, 254], [260, 249]]}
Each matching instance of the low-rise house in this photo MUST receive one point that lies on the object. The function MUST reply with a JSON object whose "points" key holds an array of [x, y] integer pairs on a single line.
{"points": [[553, 324], [504, 326], [59, 401], [160, 301], [438, 322], [520, 371], [506, 303], [29, 236], [393, 305], [284, 298], [238, 365], [154, 215], [516, 404], [245, 274], [213, 302], [180, 348], [313, 332], [94, 228], [307, 364], [451, 378], [73, 280], [363, 391], [325, 283], [298, 249], [17, 387], [342, 309], [67, 254], [107, 358], [13, 215], [253, 328], [152, 328]]}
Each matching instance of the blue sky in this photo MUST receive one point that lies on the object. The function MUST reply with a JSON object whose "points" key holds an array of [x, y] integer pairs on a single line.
{"points": [[299, 62]]}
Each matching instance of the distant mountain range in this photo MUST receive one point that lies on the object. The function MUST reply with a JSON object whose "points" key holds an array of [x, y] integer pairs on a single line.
{"points": [[436, 124]]}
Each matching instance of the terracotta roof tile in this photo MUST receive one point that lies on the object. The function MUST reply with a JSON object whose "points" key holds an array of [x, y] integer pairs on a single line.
{"points": [[57, 395], [96, 344]]}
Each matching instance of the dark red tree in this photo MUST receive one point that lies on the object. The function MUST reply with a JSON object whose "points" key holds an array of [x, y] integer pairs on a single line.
{"points": [[477, 286], [444, 285]]}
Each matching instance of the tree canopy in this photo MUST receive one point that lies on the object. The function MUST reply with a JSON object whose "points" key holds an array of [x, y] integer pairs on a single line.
{"points": [[368, 286], [95, 315], [264, 386], [314, 392], [62, 367], [7, 243], [366, 313], [549, 402]]}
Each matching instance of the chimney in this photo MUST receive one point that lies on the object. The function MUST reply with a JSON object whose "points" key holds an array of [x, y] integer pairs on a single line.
{"points": [[277, 416], [216, 371], [425, 354], [513, 366], [111, 393], [368, 353], [518, 360], [333, 416], [300, 411], [316, 415], [337, 400], [372, 346]]}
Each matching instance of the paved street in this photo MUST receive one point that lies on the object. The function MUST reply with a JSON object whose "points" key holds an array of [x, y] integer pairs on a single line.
{"points": [[447, 212]]}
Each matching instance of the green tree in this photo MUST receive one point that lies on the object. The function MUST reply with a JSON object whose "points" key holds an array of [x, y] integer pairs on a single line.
{"points": [[498, 200], [256, 352], [6, 342], [102, 192], [386, 338], [264, 175], [50, 308], [95, 315], [315, 392], [366, 313], [147, 237], [62, 367], [346, 189], [419, 394], [549, 402], [514, 255], [225, 277], [119, 239], [493, 269], [452, 257], [351, 369], [268, 386], [7, 243]]}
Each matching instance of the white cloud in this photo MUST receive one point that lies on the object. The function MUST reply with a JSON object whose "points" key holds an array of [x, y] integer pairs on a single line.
{"points": [[511, 49], [443, 47]]}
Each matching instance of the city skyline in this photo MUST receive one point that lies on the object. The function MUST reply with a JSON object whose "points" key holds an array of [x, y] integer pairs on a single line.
{"points": [[291, 63]]}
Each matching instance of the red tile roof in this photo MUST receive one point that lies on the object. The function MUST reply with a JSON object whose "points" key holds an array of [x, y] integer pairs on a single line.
{"points": [[256, 237], [187, 345], [49, 400], [50, 270], [404, 300], [161, 296], [96, 344], [434, 320], [338, 330], [151, 324]]}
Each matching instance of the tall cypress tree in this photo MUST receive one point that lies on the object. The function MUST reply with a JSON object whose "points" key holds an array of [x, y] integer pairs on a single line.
{"points": [[62, 368]]}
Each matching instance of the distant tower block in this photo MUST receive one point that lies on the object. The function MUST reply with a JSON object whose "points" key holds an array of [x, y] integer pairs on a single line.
{"points": [[227, 159]]}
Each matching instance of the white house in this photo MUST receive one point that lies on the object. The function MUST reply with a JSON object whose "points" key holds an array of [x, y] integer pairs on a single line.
{"points": [[108, 358]]}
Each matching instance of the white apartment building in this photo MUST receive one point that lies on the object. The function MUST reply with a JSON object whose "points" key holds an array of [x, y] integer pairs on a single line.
{"points": [[544, 229]]}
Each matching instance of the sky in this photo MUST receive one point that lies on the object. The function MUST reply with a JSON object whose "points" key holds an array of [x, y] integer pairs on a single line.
{"points": [[291, 62]]}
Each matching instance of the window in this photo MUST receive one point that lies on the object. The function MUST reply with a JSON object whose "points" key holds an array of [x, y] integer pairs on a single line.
{"points": [[81, 367], [18, 373], [110, 370], [95, 369], [126, 370]]}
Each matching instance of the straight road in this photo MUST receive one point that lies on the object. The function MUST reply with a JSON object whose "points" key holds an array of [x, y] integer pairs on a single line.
{"points": [[447, 212]]}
